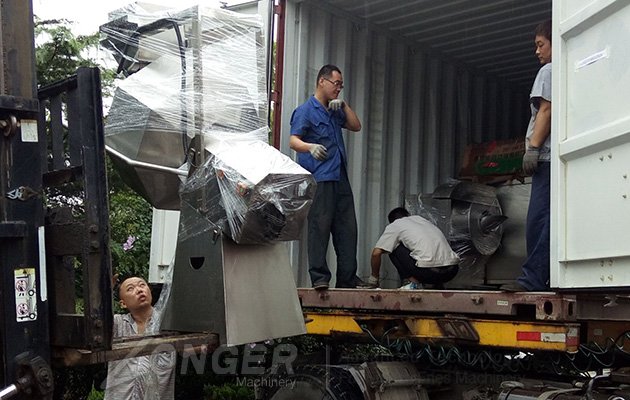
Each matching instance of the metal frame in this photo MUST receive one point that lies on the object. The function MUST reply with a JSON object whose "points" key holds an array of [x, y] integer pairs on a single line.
{"points": [[21, 211], [21, 215], [542, 306], [139, 346], [77, 156]]}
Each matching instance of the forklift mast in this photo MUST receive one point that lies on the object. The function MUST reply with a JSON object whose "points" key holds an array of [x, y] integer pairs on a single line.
{"points": [[23, 309], [52, 158]]}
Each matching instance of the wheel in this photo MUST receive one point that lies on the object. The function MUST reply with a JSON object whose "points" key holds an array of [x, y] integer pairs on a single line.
{"points": [[316, 382]]}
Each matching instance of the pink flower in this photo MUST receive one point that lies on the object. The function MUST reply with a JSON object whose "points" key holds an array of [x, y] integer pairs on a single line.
{"points": [[128, 245]]}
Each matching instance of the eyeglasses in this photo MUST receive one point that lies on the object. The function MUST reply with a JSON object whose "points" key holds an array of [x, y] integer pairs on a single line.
{"points": [[338, 84]]}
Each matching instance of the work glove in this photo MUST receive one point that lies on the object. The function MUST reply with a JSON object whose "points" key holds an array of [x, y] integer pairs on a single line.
{"points": [[530, 160], [335, 104], [318, 152]]}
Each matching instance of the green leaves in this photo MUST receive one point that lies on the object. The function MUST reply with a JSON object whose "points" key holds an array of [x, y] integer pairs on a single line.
{"points": [[59, 53], [129, 216]]}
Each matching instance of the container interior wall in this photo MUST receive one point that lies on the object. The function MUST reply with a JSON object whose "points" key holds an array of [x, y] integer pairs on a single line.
{"points": [[418, 111]]}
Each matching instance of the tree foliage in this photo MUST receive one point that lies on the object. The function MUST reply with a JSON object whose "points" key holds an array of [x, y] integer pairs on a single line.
{"points": [[130, 221], [60, 53]]}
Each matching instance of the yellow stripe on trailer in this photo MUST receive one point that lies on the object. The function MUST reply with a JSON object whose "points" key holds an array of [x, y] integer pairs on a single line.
{"points": [[525, 336], [327, 324], [488, 333]]}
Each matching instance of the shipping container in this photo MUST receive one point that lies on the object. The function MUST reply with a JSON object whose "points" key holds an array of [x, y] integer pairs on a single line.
{"points": [[428, 78]]}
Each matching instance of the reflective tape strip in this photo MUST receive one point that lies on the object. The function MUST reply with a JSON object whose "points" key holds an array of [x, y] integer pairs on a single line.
{"points": [[542, 337], [553, 337], [573, 337], [528, 336]]}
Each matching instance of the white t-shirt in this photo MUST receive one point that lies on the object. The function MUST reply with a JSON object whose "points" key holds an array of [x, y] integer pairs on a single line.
{"points": [[426, 242]]}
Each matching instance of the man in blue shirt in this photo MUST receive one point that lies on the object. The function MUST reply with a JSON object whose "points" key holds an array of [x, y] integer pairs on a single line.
{"points": [[316, 137]]}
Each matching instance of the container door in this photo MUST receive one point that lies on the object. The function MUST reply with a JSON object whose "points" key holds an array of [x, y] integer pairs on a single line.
{"points": [[591, 123]]}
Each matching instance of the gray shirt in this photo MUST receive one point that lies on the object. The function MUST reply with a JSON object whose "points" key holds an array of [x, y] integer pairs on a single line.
{"points": [[149, 377], [541, 89]]}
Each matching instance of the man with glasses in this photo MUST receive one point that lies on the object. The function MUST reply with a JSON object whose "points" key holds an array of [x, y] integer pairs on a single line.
{"points": [[317, 139]]}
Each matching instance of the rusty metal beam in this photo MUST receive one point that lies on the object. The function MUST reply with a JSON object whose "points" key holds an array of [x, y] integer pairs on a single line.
{"points": [[136, 347], [542, 306], [603, 307]]}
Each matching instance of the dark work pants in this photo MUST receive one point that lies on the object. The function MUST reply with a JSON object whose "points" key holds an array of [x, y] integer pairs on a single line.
{"points": [[332, 212], [535, 271], [406, 267]]}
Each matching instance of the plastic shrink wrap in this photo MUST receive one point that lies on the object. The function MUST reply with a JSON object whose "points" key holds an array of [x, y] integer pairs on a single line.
{"points": [[471, 218], [249, 190], [194, 97]]}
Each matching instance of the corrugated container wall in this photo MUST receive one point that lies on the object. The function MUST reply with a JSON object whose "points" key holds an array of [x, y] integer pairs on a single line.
{"points": [[418, 110]]}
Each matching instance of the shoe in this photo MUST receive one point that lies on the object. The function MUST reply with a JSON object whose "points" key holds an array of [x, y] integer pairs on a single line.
{"points": [[513, 287], [320, 286], [410, 286], [372, 283]]}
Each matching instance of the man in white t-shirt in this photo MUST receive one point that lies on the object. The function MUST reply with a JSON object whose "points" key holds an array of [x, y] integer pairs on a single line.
{"points": [[418, 250]]}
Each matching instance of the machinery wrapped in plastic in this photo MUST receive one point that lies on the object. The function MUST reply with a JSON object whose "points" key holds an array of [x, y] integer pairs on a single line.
{"points": [[195, 86], [471, 218], [191, 72], [248, 190], [188, 130]]}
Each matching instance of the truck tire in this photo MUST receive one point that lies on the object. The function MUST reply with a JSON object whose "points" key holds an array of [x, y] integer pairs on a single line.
{"points": [[318, 383]]}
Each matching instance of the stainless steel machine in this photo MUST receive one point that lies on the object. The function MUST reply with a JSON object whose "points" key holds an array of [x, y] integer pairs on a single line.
{"points": [[188, 129], [471, 218]]}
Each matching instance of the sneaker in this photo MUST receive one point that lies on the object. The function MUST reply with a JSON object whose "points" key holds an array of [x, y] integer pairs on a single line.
{"points": [[410, 286], [320, 286], [372, 283]]}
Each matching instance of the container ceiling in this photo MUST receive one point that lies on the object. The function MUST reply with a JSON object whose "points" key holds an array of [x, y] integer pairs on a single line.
{"points": [[495, 36]]}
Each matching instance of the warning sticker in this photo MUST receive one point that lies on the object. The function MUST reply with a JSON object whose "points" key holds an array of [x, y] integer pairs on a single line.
{"points": [[29, 130], [25, 294]]}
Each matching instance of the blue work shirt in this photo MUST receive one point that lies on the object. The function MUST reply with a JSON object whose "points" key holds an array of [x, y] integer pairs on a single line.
{"points": [[315, 124]]}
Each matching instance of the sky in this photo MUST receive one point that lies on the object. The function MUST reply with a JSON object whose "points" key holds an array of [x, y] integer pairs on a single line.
{"points": [[88, 15]]}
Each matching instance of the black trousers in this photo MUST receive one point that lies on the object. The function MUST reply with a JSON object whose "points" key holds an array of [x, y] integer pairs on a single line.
{"points": [[406, 267], [332, 213]]}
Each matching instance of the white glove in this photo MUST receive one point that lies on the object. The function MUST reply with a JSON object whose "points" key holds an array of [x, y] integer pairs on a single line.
{"points": [[318, 152], [530, 160], [335, 104]]}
